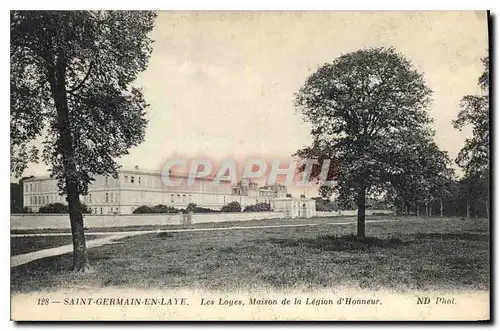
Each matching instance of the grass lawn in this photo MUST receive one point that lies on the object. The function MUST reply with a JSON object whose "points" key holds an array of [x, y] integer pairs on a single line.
{"points": [[410, 254], [274, 221], [22, 245]]}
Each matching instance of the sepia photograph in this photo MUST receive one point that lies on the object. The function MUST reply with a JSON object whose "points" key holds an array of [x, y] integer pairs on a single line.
{"points": [[250, 165]]}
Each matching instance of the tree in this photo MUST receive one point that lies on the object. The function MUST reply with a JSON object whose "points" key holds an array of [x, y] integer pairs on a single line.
{"points": [[233, 206], [474, 157], [361, 108], [325, 191], [71, 80]]}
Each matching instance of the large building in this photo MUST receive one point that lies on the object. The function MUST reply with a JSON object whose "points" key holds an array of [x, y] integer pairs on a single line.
{"points": [[135, 187]]}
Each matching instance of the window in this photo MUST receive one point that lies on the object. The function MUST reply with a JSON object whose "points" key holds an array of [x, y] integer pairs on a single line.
{"points": [[139, 180], [31, 200], [31, 187], [131, 179], [125, 179], [101, 210], [47, 199], [189, 197], [171, 198], [111, 197], [116, 209], [183, 198], [43, 200], [106, 197], [90, 199], [106, 180], [26, 187]]}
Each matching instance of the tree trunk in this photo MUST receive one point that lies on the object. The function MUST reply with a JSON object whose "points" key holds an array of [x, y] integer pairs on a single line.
{"points": [[430, 209], [361, 204], [487, 205], [468, 207], [427, 209], [441, 206], [417, 212], [65, 143]]}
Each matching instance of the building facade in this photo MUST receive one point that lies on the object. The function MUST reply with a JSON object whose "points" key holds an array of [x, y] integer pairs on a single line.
{"points": [[135, 187]]}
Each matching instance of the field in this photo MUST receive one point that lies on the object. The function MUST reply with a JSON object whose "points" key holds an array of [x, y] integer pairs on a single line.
{"points": [[399, 254], [22, 245]]}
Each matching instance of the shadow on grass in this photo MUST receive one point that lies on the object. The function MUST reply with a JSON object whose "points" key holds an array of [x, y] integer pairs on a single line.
{"points": [[336, 243], [454, 236]]}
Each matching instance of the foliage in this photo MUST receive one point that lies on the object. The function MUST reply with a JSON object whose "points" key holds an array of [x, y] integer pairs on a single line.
{"points": [[261, 206], [192, 207], [85, 209], [16, 198], [368, 113], [325, 191], [54, 208], [233, 206], [71, 77], [162, 209], [324, 204], [143, 210], [474, 156], [158, 209], [97, 55]]}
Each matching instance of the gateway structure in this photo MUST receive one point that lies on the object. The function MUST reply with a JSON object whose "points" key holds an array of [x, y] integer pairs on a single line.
{"points": [[136, 187]]}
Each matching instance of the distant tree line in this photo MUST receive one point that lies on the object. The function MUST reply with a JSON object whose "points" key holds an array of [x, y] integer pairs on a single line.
{"points": [[192, 207]]}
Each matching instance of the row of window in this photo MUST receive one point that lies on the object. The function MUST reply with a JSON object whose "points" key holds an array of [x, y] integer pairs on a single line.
{"points": [[180, 198], [108, 197], [101, 210], [46, 199], [132, 180]]}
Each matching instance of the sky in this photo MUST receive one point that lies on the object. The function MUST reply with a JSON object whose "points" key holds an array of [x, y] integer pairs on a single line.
{"points": [[222, 84]]}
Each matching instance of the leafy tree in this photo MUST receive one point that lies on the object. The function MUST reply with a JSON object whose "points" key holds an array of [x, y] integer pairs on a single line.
{"points": [[323, 204], [474, 157], [233, 206], [71, 80], [426, 169], [361, 107], [325, 191], [16, 198]]}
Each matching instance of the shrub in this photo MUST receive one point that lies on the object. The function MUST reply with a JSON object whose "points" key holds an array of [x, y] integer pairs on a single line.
{"points": [[258, 207], [143, 210], [199, 210], [162, 209], [231, 207], [27, 210], [324, 205], [85, 208], [54, 208]]}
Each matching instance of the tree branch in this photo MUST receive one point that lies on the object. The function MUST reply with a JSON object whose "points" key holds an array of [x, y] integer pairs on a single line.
{"points": [[84, 80]]}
